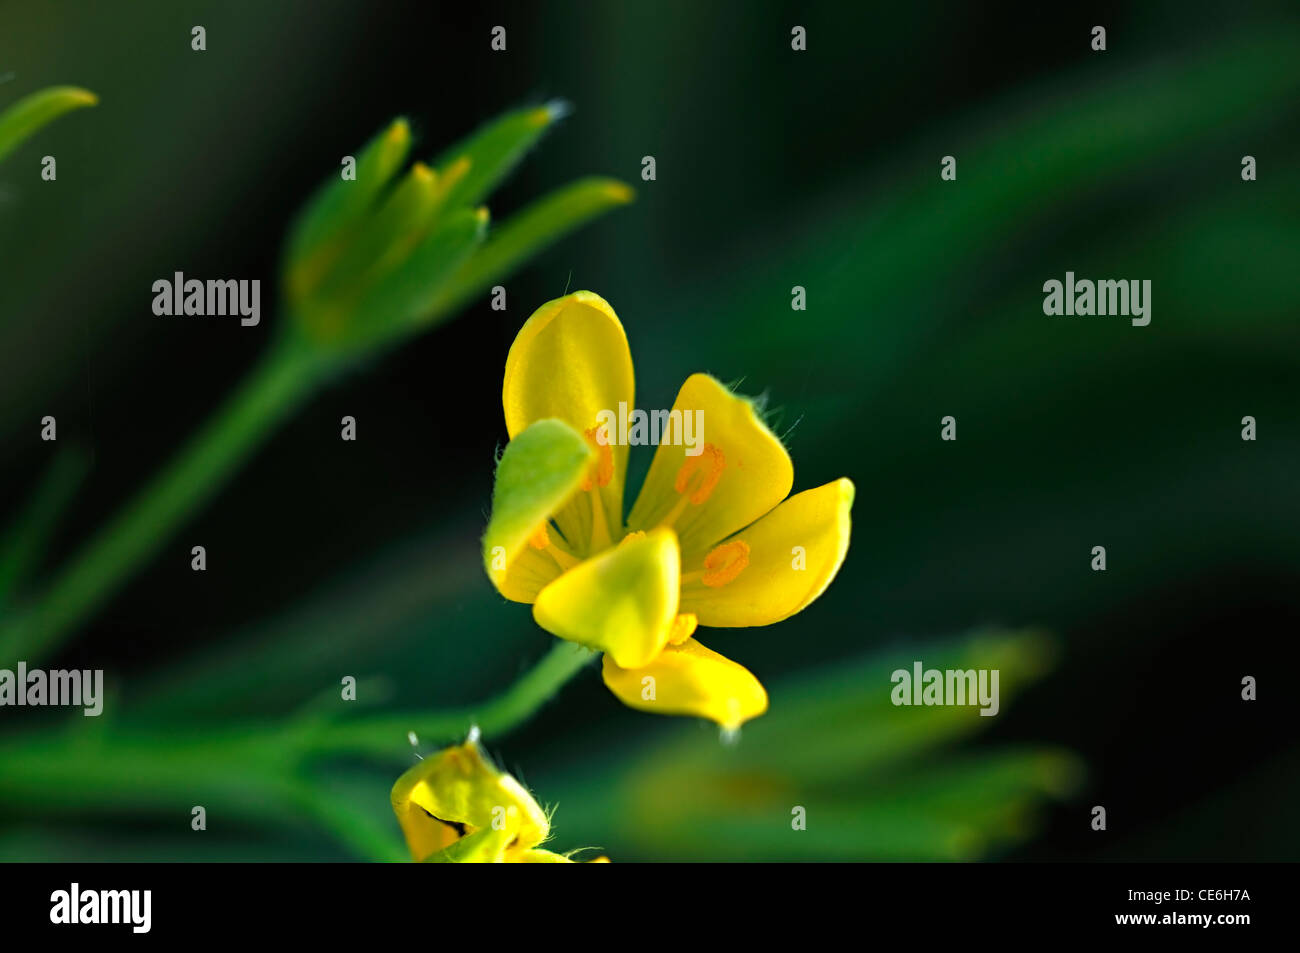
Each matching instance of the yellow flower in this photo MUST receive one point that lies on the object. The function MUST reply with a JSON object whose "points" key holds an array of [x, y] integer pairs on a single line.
{"points": [[456, 807], [709, 540]]}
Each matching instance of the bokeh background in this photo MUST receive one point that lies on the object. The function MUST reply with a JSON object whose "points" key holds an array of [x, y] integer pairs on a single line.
{"points": [[775, 169]]}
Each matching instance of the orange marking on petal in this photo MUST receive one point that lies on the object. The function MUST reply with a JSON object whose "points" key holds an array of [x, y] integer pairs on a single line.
{"points": [[724, 563], [604, 466], [540, 539], [717, 463]]}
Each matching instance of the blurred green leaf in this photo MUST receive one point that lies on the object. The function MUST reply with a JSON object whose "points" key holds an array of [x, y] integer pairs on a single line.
{"points": [[318, 235], [381, 240], [355, 250], [390, 300], [23, 544], [495, 149], [877, 781], [1029, 165], [406, 297], [25, 117], [529, 231]]}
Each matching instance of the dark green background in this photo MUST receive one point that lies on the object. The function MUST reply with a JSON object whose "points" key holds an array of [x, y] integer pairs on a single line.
{"points": [[774, 169]]}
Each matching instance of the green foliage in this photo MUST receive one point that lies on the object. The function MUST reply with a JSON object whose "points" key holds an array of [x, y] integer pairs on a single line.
{"points": [[529, 231], [23, 544], [26, 117], [922, 295], [370, 261], [492, 152], [378, 258], [877, 781]]}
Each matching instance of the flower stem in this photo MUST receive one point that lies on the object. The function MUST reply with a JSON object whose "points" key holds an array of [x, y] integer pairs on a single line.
{"points": [[384, 734], [252, 768], [274, 388]]}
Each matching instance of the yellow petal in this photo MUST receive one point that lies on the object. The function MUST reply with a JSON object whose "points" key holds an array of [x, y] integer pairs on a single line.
{"points": [[622, 602], [790, 557], [487, 846], [571, 361], [740, 472], [689, 679], [539, 855], [458, 792]]}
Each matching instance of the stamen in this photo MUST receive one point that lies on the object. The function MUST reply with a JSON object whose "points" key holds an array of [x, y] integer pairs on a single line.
{"points": [[717, 463], [683, 628], [704, 486], [725, 563], [604, 465], [540, 539], [603, 471]]}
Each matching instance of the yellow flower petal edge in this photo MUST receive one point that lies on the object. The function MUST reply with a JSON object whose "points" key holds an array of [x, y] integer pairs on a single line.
{"points": [[689, 679], [543, 856], [791, 555], [571, 361], [540, 469], [741, 472], [487, 846], [622, 602], [458, 793]]}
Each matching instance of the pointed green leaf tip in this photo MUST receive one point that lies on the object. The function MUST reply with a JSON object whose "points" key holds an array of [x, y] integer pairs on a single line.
{"points": [[318, 237], [377, 251], [496, 148], [25, 117], [530, 230], [540, 469]]}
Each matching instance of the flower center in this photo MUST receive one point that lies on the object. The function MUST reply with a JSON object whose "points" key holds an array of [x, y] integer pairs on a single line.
{"points": [[541, 540]]}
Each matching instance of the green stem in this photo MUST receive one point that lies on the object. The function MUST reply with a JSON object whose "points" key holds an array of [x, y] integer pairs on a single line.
{"points": [[250, 769], [275, 386], [382, 735], [23, 544]]}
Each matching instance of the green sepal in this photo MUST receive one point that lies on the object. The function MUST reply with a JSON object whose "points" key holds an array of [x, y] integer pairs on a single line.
{"points": [[540, 469]]}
